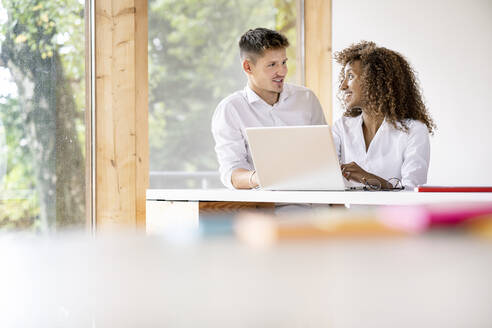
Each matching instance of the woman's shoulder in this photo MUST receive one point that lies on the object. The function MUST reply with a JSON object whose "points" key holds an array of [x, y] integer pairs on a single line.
{"points": [[413, 127]]}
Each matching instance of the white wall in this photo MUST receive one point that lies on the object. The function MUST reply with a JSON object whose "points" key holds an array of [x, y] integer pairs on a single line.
{"points": [[449, 44]]}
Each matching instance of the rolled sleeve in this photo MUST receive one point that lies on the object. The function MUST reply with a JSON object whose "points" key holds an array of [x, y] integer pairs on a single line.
{"points": [[416, 156], [230, 145]]}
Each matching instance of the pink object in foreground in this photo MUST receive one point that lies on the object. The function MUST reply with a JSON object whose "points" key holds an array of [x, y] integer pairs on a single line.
{"points": [[415, 219]]}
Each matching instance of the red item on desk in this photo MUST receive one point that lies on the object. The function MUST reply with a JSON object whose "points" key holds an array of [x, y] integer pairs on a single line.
{"points": [[453, 189]]}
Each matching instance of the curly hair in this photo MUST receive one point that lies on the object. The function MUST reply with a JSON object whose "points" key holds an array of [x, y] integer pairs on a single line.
{"points": [[388, 85]]}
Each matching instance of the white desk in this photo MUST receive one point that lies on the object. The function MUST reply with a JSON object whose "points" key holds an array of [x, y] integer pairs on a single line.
{"points": [[317, 197], [180, 207]]}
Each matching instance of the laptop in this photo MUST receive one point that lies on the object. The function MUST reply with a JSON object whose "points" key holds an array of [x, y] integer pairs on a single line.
{"points": [[296, 158]]}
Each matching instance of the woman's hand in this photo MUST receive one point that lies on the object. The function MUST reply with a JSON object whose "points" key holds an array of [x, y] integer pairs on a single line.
{"points": [[352, 171]]}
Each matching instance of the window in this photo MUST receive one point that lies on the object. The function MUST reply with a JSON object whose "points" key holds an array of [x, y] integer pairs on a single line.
{"points": [[42, 129], [193, 64]]}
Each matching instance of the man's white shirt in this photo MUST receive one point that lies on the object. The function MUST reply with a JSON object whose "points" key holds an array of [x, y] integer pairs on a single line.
{"points": [[392, 153], [297, 105]]}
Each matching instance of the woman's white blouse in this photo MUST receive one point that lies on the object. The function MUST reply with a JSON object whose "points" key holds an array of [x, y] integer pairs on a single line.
{"points": [[392, 153]]}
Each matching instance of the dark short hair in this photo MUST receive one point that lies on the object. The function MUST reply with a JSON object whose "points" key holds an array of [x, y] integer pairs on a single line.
{"points": [[253, 43]]}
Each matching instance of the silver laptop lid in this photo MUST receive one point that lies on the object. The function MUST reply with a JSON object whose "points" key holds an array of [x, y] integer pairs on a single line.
{"points": [[295, 158]]}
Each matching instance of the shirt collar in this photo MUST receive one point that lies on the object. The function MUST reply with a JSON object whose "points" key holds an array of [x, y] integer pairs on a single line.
{"points": [[359, 121], [286, 92], [253, 97]]}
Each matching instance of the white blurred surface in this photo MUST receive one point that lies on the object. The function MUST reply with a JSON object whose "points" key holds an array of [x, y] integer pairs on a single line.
{"points": [[128, 281]]}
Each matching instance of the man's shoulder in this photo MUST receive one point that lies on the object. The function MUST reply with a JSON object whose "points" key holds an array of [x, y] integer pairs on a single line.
{"points": [[233, 100], [228, 110], [295, 88]]}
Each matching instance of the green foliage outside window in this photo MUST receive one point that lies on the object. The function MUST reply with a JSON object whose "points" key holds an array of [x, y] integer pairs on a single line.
{"points": [[42, 47]]}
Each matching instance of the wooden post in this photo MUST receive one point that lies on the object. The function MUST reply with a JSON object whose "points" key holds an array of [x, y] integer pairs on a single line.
{"points": [[141, 107], [318, 51], [121, 113], [88, 117]]}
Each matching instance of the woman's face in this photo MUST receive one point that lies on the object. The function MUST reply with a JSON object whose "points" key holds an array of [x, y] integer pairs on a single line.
{"points": [[350, 86]]}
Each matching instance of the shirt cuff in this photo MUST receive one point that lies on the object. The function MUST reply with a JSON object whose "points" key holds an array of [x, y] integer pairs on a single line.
{"points": [[226, 179]]}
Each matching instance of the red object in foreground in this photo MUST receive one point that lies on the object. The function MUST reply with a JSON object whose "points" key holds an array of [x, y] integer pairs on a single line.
{"points": [[453, 189]]}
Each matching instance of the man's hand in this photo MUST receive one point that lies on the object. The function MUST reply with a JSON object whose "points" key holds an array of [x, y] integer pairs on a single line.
{"points": [[244, 179], [254, 180]]}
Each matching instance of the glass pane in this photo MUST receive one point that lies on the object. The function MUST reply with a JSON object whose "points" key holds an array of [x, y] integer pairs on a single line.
{"points": [[193, 64], [42, 128]]}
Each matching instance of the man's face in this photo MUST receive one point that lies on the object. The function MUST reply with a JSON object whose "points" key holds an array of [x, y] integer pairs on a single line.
{"points": [[269, 72], [350, 86]]}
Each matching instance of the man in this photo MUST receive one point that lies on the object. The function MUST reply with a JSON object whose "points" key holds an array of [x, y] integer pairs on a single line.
{"points": [[265, 101]]}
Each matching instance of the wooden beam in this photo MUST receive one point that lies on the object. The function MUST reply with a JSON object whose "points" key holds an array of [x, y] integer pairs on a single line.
{"points": [[299, 43], [121, 113], [318, 51], [141, 106], [88, 117]]}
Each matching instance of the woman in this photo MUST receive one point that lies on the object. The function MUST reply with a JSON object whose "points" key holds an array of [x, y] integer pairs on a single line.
{"points": [[383, 137]]}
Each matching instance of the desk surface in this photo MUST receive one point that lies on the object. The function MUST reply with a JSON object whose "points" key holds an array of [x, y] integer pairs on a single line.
{"points": [[317, 197]]}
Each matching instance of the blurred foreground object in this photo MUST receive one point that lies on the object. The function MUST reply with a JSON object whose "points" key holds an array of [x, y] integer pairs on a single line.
{"points": [[259, 229], [421, 218], [119, 281]]}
